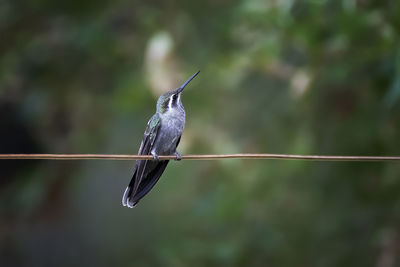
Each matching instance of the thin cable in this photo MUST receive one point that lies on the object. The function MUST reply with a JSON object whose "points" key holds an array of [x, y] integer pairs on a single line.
{"points": [[198, 157]]}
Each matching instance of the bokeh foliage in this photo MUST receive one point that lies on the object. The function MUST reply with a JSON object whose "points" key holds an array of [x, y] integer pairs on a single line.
{"points": [[284, 76]]}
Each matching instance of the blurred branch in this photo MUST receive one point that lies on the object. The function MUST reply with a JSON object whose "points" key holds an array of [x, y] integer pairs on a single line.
{"points": [[198, 157]]}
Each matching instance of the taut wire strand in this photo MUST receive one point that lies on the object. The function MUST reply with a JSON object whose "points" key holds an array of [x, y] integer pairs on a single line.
{"points": [[198, 157]]}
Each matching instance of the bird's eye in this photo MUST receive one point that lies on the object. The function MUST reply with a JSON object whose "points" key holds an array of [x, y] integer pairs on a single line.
{"points": [[174, 97]]}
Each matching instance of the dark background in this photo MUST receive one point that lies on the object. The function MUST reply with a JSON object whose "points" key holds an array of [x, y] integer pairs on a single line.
{"points": [[298, 77]]}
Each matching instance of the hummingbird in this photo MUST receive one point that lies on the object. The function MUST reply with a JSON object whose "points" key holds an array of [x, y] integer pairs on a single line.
{"points": [[161, 137]]}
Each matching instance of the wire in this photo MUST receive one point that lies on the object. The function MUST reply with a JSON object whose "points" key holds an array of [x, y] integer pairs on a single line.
{"points": [[198, 157]]}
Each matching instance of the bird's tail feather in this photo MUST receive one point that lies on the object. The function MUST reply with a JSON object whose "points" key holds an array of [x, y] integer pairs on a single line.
{"points": [[128, 194], [131, 198]]}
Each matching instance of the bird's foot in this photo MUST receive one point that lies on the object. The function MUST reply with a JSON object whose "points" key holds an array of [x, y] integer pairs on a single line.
{"points": [[178, 156], [155, 156]]}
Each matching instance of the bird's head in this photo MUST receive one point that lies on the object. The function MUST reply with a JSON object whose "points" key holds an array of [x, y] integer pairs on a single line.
{"points": [[172, 99]]}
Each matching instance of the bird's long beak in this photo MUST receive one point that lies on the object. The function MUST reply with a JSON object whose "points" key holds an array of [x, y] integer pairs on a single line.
{"points": [[180, 89]]}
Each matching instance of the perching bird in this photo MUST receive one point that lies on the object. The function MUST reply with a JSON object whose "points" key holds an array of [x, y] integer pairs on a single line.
{"points": [[161, 137]]}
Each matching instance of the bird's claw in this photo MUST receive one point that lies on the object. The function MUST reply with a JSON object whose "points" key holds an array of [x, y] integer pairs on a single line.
{"points": [[155, 156], [178, 156]]}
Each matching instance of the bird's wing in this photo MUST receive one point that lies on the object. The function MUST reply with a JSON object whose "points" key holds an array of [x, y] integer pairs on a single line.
{"points": [[179, 140], [146, 146], [147, 184]]}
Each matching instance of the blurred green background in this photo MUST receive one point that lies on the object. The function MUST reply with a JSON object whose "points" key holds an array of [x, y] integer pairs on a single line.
{"points": [[283, 76]]}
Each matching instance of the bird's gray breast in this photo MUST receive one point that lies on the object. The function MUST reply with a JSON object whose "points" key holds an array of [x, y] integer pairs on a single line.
{"points": [[172, 124]]}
